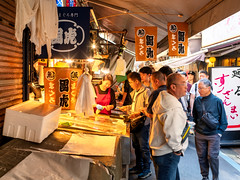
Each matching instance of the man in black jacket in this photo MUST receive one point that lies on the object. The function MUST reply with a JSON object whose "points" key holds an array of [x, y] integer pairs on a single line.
{"points": [[207, 137]]}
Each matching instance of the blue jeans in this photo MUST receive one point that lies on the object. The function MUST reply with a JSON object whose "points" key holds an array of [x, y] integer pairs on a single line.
{"points": [[208, 151], [141, 146], [167, 166]]}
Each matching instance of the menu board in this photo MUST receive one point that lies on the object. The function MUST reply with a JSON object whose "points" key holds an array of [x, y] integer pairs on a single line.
{"points": [[226, 86]]}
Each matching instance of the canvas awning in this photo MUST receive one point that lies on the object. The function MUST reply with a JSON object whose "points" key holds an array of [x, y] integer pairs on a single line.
{"points": [[177, 62]]}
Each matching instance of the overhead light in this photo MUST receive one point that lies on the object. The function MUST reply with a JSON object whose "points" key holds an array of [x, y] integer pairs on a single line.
{"points": [[93, 46], [105, 71], [68, 61], [90, 60], [180, 15]]}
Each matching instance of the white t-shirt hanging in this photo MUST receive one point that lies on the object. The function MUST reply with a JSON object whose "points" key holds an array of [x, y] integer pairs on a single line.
{"points": [[121, 67]]}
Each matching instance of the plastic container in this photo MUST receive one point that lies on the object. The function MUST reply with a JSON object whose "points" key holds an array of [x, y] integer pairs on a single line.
{"points": [[31, 120]]}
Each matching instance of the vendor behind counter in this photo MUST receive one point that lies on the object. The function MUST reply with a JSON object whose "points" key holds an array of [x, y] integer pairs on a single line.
{"points": [[105, 100]]}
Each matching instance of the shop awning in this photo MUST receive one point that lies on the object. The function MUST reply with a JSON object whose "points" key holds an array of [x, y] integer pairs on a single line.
{"points": [[177, 62]]}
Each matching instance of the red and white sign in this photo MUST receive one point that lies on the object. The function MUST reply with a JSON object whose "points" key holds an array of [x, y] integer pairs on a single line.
{"points": [[226, 86]]}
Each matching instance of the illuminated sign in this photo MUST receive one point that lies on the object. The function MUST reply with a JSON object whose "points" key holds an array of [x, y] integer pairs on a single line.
{"points": [[60, 86]]}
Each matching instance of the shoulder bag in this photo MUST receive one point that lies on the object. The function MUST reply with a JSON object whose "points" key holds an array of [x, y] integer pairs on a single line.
{"points": [[137, 124], [208, 119], [185, 132]]}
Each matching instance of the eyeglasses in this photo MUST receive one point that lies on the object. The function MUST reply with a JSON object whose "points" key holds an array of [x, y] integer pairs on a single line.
{"points": [[182, 84], [202, 88]]}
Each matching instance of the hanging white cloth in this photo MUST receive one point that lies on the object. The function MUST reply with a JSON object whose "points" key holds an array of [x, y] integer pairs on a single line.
{"points": [[42, 19], [120, 67], [86, 95]]}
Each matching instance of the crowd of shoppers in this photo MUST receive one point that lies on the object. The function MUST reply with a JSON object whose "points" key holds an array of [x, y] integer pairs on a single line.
{"points": [[167, 100]]}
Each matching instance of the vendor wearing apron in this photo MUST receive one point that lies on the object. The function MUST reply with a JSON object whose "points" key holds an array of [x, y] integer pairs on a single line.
{"points": [[105, 95]]}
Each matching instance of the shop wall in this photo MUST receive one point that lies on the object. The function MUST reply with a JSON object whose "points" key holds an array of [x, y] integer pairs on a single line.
{"points": [[11, 70]]}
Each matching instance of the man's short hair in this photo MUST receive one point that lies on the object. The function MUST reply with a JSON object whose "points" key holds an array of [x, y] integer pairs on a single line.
{"points": [[172, 78], [183, 73], [166, 70], [128, 72], [204, 72], [146, 70], [134, 76], [158, 75], [206, 82]]}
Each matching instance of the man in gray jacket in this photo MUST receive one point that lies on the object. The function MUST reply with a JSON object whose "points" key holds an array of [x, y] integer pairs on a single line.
{"points": [[140, 95], [169, 120]]}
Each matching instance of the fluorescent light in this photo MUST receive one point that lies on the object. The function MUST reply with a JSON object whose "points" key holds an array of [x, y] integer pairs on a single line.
{"points": [[90, 60], [68, 61]]}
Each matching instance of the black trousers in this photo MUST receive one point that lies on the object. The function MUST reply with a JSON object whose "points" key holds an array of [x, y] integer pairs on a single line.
{"points": [[208, 153]]}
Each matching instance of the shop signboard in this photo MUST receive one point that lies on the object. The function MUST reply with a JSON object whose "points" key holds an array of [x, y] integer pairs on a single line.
{"points": [[225, 30], [146, 43], [60, 86], [178, 38], [226, 86], [73, 37]]}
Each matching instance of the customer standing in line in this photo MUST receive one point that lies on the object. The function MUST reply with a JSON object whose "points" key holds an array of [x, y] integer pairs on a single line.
{"points": [[194, 89], [159, 84], [140, 139], [145, 74], [207, 139], [169, 120]]}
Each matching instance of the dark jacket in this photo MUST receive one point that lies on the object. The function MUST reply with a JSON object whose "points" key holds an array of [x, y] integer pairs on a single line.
{"points": [[153, 97], [213, 105]]}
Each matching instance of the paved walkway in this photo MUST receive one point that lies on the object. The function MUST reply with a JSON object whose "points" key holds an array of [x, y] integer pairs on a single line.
{"points": [[189, 167]]}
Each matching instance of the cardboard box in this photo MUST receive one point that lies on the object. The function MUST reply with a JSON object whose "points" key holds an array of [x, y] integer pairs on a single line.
{"points": [[31, 120]]}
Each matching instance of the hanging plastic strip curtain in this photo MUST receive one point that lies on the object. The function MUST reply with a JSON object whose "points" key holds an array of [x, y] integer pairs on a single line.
{"points": [[59, 3]]}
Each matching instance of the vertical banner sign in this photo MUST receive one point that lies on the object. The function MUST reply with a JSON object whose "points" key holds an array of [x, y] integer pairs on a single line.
{"points": [[178, 39], [60, 86], [146, 43], [226, 86], [73, 37]]}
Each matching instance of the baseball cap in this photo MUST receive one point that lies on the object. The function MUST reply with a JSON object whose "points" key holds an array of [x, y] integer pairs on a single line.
{"points": [[191, 72]]}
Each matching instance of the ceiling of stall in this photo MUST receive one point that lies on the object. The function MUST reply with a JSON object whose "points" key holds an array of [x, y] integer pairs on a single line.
{"points": [[117, 15]]}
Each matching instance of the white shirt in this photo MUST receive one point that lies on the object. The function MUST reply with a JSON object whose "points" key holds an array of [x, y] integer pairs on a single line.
{"points": [[193, 90]]}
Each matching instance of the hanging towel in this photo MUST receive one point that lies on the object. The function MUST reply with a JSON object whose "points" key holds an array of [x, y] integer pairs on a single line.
{"points": [[42, 19]]}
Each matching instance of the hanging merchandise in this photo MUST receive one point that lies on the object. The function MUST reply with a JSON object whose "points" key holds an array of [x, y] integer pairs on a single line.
{"points": [[41, 17], [85, 100], [120, 67]]}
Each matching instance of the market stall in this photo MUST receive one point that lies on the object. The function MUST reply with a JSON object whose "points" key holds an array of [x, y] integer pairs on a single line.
{"points": [[75, 137]]}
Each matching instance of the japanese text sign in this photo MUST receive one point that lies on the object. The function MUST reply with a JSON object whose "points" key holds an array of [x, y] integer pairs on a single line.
{"points": [[73, 37], [178, 39], [226, 86], [146, 43], [60, 86]]}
